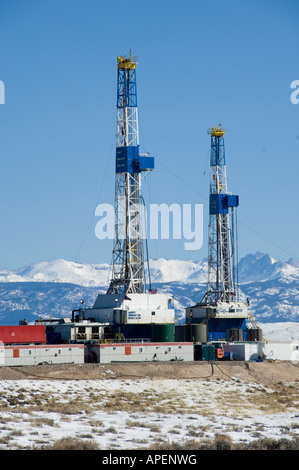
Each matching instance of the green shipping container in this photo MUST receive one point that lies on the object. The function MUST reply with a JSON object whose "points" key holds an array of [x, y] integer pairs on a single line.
{"points": [[207, 352]]}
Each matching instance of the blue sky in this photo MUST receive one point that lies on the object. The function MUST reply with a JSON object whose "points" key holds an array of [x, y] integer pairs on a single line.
{"points": [[201, 63]]}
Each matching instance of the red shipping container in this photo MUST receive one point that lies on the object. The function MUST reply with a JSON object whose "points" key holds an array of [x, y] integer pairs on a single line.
{"points": [[23, 334]]}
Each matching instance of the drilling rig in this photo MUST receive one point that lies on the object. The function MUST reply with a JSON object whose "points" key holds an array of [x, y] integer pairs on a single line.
{"points": [[128, 266], [221, 309], [128, 309]]}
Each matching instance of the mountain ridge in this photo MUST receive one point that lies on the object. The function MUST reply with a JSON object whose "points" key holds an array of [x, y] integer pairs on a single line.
{"points": [[255, 267], [55, 288]]}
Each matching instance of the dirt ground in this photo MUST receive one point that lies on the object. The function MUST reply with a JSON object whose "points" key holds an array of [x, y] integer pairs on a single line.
{"points": [[265, 373]]}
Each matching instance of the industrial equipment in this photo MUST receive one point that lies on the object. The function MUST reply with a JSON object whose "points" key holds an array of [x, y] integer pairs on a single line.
{"points": [[221, 309], [127, 306], [128, 268]]}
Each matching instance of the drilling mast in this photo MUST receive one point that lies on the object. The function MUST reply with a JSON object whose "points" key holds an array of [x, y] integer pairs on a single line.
{"points": [[128, 265], [127, 310], [222, 218], [220, 308]]}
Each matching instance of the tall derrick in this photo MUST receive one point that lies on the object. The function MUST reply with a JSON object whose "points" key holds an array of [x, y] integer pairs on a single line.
{"points": [[220, 309], [127, 310], [128, 265], [222, 226]]}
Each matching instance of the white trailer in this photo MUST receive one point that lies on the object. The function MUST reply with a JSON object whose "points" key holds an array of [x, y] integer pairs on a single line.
{"points": [[260, 350], [17, 355], [139, 352], [244, 351], [282, 351]]}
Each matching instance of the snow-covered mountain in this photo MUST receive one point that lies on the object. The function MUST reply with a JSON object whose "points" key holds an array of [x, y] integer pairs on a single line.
{"points": [[272, 287], [161, 270], [261, 267], [59, 271], [56, 288]]}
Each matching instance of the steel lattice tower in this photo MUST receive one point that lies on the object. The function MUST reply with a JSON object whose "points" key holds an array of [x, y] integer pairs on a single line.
{"points": [[128, 266], [222, 224]]}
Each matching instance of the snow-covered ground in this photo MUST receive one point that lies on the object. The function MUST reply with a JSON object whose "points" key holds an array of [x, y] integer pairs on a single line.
{"points": [[132, 414], [281, 331]]}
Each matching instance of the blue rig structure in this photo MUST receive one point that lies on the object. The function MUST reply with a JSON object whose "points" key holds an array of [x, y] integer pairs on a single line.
{"points": [[131, 166], [221, 309]]}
